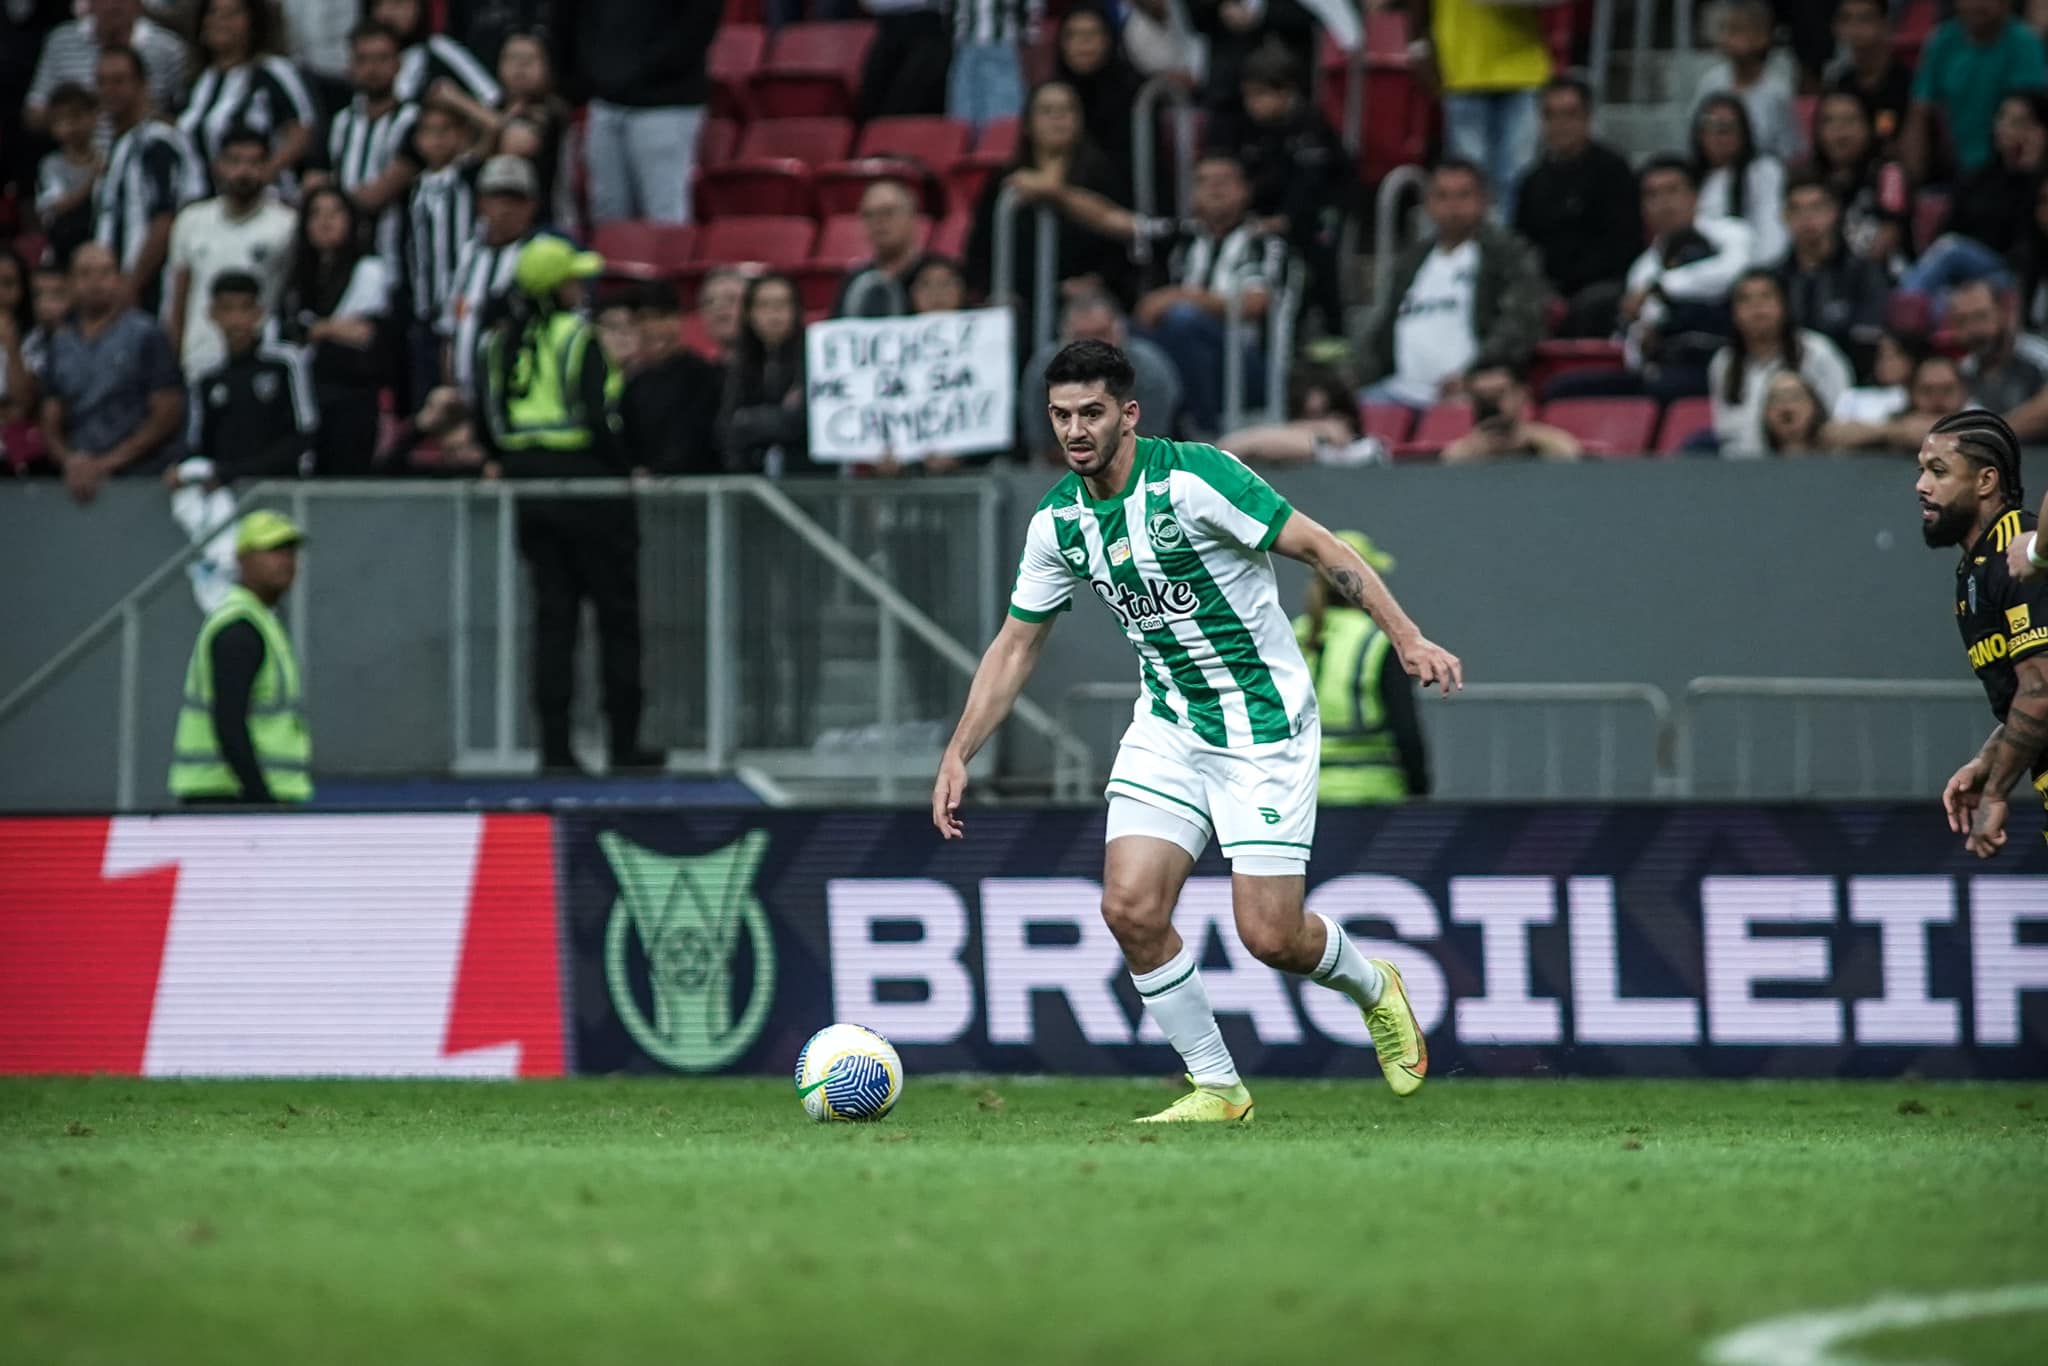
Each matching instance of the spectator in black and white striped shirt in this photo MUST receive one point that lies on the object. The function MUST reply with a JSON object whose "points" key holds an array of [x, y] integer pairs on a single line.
{"points": [[73, 51], [247, 85], [507, 199], [433, 68], [369, 152], [440, 219], [1222, 253], [987, 79], [151, 174]]}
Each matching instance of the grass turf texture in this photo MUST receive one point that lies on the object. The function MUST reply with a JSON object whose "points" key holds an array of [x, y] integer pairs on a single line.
{"points": [[1006, 1220]]}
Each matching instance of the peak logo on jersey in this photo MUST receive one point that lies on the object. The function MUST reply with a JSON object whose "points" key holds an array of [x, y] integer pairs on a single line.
{"points": [[1119, 550], [1161, 602], [1164, 531], [1076, 557], [2017, 619]]}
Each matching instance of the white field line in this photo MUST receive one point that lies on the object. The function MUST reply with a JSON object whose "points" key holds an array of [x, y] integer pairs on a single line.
{"points": [[1811, 1339]]}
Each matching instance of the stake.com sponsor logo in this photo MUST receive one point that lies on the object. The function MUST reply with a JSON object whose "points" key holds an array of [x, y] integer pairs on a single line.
{"points": [[304, 945]]}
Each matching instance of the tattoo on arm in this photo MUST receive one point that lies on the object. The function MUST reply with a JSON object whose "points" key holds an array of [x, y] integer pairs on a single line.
{"points": [[1348, 585], [2023, 737]]}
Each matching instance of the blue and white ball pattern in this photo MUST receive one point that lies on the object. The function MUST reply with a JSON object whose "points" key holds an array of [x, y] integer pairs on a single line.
{"points": [[848, 1072]]}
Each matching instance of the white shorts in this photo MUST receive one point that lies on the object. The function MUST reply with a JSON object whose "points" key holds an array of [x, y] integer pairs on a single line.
{"points": [[1258, 801]]}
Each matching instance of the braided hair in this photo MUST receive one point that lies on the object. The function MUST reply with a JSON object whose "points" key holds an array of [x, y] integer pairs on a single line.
{"points": [[1985, 439]]}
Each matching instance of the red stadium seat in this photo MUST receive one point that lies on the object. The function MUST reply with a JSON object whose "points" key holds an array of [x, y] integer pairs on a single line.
{"points": [[950, 238], [1390, 422], [696, 336], [770, 186], [645, 250], [811, 69], [998, 138], [1439, 427], [718, 143], [1400, 119], [842, 241], [736, 52], [935, 143], [1564, 356], [840, 184], [1685, 419], [778, 243], [965, 178], [1608, 426], [1909, 312], [813, 141]]}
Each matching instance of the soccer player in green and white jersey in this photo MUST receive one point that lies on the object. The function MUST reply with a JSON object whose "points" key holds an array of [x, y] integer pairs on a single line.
{"points": [[1174, 538]]}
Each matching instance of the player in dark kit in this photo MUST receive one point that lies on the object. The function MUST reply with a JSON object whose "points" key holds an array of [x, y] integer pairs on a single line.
{"points": [[1970, 496]]}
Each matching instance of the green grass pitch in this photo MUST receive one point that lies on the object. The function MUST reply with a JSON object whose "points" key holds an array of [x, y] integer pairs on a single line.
{"points": [[1021, 1220]]}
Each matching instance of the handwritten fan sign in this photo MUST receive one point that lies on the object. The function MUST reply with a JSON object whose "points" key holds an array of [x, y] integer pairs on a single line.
{"points": [[934, 384]]}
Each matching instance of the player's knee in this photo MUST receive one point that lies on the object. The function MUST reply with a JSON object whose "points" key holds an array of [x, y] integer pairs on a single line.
{"points": [[1278, 944], [1137, 916]]}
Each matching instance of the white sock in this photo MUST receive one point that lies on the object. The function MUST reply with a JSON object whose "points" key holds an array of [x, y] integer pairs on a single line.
{"points": [[1174, 993], [1345, 969]]}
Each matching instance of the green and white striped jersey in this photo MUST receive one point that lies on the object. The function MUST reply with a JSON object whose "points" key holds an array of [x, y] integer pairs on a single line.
{"points": [[1180, 558]]}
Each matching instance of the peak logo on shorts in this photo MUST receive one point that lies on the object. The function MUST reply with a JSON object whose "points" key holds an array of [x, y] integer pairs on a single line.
{"points": [[1161, 602]]}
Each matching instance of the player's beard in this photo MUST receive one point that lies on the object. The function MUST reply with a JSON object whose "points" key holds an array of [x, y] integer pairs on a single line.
{"points": [[1951, 526]]}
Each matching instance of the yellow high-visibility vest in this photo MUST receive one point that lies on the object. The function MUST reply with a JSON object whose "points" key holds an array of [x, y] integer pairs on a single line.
{"points": [[277, 726], [1361, 764]]}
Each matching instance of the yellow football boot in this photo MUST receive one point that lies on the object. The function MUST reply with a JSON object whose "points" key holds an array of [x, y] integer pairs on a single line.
{"points": [[1396, 1037], [1206, 1105]]}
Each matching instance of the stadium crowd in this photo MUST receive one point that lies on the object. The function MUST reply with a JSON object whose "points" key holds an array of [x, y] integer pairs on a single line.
{"points": [[245, 238]]}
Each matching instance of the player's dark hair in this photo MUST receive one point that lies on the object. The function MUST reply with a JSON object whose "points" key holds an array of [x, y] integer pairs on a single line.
{"points": [[242, 134], [1985, 439], [235, 282], [1672, 164], [1090, 362]]}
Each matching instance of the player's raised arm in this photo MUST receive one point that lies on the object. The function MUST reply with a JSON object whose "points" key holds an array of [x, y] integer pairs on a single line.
{"points": [[1005, 667], [1305, 539]]}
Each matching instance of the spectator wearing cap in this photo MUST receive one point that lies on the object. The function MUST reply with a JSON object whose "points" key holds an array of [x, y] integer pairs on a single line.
{"points": [[1577, 207], [507, 210], [644, 68], [549, 405], [1093, 315], [114, 400], [241, 737], [879, 286], [1473, 292], [369, 151]]}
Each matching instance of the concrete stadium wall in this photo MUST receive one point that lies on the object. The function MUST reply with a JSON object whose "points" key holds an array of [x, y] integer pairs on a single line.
{"points": [[1652, 572]]}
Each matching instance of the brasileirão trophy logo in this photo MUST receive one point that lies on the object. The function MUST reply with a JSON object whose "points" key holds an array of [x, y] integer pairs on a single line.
{"points": [[688, 913]]}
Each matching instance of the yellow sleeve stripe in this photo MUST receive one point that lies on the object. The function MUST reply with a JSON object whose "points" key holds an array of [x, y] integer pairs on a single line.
{"points": [[2005, 529]]}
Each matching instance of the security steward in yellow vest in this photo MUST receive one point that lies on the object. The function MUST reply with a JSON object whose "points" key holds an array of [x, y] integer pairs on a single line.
{"points": [[242, 731], [549, 400], [1372, 737]]}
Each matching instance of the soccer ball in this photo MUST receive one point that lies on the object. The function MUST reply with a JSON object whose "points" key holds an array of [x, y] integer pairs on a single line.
{"points": [[847, 1072]]}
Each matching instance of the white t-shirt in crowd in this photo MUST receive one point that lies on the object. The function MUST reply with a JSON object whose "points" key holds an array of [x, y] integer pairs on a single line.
{"points": [[1433, 336], [1870, 406], [205, 241], [1741, 425]]}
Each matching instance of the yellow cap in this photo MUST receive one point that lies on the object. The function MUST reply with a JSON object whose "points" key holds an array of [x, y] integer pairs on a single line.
{"points": [[1379, 559], [266, 530], [547, 263]]}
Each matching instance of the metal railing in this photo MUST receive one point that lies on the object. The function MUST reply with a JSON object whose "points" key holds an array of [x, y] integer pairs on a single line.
{"points": [[1799, 750], [1387, 224], [1651, 765], [1145, 147], [744, 647], [1003, 264], [1284, 305]]}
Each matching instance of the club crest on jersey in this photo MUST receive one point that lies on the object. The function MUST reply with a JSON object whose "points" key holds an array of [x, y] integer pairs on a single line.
{"points": [[1162, 601], [1164, 531], [1120, 550], [1076, 557]]}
